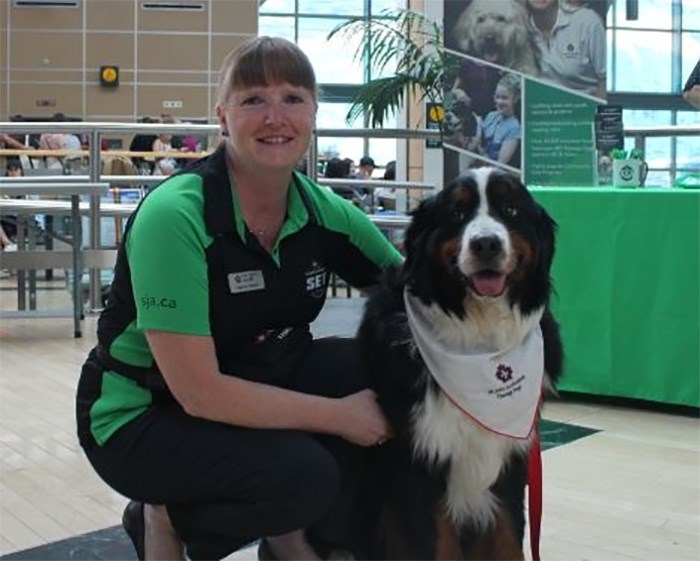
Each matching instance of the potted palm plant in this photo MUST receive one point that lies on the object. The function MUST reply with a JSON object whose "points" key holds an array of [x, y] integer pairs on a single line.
{"points": [[405, 52]]}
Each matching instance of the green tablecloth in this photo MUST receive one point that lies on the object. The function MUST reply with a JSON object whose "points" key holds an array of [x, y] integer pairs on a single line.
{"points": [[627, 280]]}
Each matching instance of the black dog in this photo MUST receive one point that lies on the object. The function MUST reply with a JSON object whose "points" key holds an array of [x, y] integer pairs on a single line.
{"points": [[460, 346]]}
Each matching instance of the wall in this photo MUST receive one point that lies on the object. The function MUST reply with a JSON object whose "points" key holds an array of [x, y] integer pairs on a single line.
{"points": [[50, 57]]}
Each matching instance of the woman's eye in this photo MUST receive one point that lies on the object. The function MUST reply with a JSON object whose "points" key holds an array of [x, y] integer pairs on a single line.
{"points": [[293, 99], [511, 211], [252, 100]]}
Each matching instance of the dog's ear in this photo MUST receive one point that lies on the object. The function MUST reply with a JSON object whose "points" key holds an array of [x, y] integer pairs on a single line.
{"points": [[462, 31], [546, 231], [421, 219]]}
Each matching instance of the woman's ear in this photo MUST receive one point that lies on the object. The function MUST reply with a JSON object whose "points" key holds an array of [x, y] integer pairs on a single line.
{"points": [[221, 116]]}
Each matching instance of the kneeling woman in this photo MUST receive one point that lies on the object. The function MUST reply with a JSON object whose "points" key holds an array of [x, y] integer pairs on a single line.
{"points": [[207, 401]]}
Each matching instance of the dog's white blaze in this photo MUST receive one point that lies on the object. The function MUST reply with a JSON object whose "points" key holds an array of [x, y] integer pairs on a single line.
{"points": [[482, 225]]}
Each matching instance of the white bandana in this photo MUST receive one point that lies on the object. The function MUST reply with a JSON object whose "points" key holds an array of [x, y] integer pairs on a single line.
{"points": [[501, 391]]}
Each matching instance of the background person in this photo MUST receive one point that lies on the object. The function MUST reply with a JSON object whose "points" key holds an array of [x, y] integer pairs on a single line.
{"points": [[691, 90], [501, 129], [143, 143], [58, 141], [337, 168], [572, 43], [386, 196], [366, 168], [206, 392]]}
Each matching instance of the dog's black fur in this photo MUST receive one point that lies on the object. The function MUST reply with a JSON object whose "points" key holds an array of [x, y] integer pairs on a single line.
{"points": [[401, 512]]}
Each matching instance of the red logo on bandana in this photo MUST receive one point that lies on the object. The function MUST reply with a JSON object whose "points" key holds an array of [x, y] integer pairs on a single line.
{"points": [[504, 373]]}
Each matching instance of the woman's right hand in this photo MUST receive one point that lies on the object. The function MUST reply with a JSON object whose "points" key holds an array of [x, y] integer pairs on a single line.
{"points": [[361, 420]]}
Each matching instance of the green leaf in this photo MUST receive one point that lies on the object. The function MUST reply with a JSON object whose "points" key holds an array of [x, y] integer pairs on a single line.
{"points": [[407, 44]]}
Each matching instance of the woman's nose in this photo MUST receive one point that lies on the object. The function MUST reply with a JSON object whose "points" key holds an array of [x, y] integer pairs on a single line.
{"points": [[273, 113]]}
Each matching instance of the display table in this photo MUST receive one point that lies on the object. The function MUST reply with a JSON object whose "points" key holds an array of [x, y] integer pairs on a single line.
{"points": [[627, 282]]}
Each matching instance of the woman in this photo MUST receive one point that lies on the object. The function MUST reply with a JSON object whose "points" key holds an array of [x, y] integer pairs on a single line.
{"points": [[501, 128], [572, 42], [164, 143], [206, 393]]}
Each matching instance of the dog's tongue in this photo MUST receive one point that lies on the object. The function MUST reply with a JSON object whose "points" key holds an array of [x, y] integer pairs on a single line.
{"points": [[489, 284]]}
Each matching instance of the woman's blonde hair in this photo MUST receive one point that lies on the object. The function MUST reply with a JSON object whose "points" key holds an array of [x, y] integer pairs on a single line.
{"points": [[263, 61], [511, 82]]}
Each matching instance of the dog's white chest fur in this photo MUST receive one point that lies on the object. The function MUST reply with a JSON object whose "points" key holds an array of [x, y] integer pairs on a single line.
{"points": [[443, 433]]}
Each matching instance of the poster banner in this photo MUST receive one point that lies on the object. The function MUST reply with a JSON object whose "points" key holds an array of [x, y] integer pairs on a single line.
{"points": [[503, 55], [560, 133]]}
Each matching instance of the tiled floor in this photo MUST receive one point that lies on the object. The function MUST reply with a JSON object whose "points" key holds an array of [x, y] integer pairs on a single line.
{"points": [[629, 490]]}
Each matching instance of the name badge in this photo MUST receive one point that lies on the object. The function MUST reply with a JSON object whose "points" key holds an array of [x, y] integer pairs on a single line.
{"points": [[246, 281]]}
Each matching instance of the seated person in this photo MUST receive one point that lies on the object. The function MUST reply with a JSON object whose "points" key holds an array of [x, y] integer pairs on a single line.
{"points": [[501, 129], [386, 196]]}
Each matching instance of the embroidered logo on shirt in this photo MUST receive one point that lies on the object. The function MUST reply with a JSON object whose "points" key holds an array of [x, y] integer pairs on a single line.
{"points": [[316, 280]]}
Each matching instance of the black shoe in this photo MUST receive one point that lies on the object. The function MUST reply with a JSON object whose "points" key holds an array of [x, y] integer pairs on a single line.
{"points": [[135, 527]]}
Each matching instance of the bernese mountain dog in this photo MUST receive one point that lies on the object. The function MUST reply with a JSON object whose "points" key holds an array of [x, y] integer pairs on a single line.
{"points": [[460, 346]]}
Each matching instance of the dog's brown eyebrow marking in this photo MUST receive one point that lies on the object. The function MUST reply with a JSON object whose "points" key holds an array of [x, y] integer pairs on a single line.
{"points": [[525, 253], [462, 195], [448, 251]]}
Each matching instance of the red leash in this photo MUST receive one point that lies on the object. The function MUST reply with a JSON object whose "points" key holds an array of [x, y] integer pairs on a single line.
{"points": [[534, 495]]}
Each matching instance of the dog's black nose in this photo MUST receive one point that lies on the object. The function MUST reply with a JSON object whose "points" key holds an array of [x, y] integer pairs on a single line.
{"points": [[485, 247]]}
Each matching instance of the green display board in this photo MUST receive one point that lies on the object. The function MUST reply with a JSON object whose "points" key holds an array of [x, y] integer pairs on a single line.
{"points": [[627, 280], [559, 136]]}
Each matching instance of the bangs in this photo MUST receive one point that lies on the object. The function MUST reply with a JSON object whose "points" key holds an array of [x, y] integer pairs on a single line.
{"points": [[266, 61]]}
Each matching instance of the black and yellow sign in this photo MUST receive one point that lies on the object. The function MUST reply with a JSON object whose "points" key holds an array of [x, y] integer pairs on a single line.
{"points": [[434, 116], [109, 76]]}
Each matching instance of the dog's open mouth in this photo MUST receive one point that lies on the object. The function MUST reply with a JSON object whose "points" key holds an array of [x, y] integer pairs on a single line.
{"points": [[491, 50], [488, 283]]}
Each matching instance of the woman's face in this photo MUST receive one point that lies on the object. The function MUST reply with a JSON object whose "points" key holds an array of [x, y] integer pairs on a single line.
{"points": [[269, 127], [505, 101]]}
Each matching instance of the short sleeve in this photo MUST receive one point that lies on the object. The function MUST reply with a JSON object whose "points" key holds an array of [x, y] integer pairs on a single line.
{"points": [[166, 249]]}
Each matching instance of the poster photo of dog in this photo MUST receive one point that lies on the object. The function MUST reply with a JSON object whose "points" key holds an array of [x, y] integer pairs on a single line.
{"points": [[559, 41], [483, 113]]}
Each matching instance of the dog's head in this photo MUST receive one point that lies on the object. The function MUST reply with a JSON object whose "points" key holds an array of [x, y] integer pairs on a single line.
{"points": [[483, 237], [493, 30]]}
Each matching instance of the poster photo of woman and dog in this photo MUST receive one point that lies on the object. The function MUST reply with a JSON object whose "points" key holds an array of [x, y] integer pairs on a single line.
{"points": [[493, 46]]}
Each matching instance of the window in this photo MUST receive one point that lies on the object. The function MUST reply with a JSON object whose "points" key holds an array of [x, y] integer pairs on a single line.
{"points": [[308, 22], [635, 54], [647, 71], [334, 64]]}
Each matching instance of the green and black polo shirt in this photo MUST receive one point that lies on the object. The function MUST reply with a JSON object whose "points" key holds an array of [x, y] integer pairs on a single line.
{"points": [[188, 264]]}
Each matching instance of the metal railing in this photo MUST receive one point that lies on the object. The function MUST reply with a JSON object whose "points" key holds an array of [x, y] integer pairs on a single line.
{"points": [[641, 134], [95, 131]]}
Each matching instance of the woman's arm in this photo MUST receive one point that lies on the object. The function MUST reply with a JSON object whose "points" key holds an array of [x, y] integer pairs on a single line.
{"points": [[602, 88], [507, 150], [10, 142], [692, 96], [189, 365]]}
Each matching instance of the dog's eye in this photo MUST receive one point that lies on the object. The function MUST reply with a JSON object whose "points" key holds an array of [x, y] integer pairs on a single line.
{"points": [[511, 211]]}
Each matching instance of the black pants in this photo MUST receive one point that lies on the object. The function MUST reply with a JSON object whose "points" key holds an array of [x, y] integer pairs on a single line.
{"points": [[226, 486]]}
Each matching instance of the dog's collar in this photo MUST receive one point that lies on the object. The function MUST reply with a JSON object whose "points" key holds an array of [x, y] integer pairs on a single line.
{"points": [[501, 391]]}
